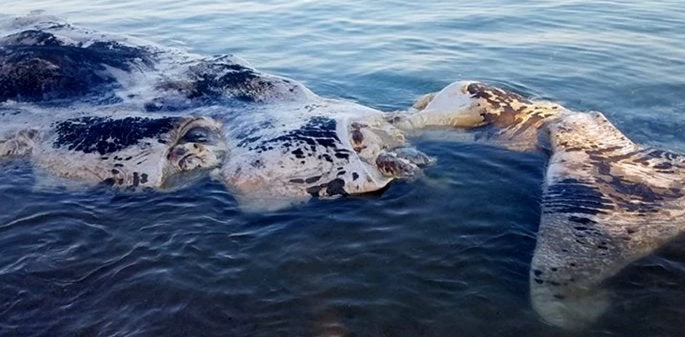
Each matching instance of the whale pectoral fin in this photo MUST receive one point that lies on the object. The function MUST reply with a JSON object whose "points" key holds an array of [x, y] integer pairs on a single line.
{"points": [[453, 106], [508, 119], [18, 143], [607, 202]]}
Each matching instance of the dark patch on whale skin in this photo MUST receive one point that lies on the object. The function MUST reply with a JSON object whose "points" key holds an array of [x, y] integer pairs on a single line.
{"points": [[630, 193], [329, 189], [91, 134], [215, 77], [136, 179], [510, 118], [298, 153], [247, 136], [574, 197], [639, 181], [500, 111], [31, 37], [303, 142], [357, 137], [119, 179], [35, 66], [218, 77], [317, 139]]}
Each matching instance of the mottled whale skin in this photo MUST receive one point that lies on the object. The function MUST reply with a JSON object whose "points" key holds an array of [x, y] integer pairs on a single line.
{"points": [[104, 109], [47, 61], [123, 152], [606, 200], [77, 101], [322, 149]]}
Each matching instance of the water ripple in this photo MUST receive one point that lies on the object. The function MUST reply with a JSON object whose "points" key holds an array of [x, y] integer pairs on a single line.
{"points": [[445, 255]]}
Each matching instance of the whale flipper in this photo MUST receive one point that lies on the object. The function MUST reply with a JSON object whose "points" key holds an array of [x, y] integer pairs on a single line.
{"points": [[606, 203], [606, 200], [499, 117]]}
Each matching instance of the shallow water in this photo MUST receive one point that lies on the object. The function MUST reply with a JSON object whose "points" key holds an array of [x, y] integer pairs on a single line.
{"points": [[446, 255]]}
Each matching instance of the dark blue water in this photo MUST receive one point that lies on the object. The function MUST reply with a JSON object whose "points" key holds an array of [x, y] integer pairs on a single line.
{"points": [[445, 255]]}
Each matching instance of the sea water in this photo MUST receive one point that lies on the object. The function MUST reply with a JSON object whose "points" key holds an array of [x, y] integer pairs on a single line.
{"points": [[444, 255]]}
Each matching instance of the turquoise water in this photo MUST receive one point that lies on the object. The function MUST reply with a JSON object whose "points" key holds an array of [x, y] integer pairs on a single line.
{"points": [[446, 255]]}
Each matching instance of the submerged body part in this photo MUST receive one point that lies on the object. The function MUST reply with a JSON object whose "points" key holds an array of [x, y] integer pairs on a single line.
{"points": [[607, 201]]}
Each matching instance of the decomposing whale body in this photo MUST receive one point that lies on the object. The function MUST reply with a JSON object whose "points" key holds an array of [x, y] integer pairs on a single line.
{"points": [[606, 200], [46, 60], [123, 152], [99, 109], [76, 102]]}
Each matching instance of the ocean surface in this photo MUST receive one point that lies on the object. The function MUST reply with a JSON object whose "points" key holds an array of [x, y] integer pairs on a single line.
{"points": [[445, 255]]}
